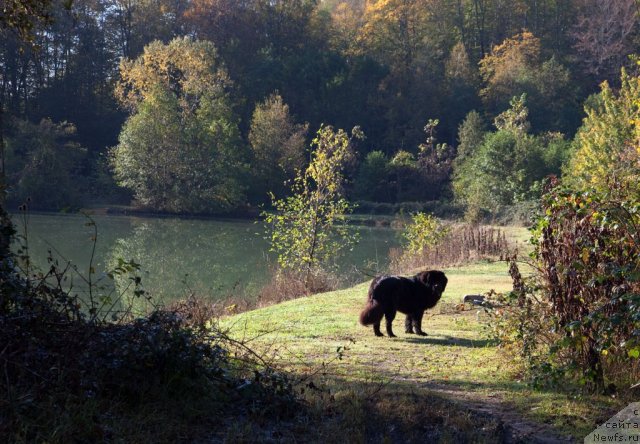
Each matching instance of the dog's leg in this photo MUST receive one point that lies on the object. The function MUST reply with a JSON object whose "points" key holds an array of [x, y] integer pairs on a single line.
{"points": [[408, 325], [417, 323], [376, 329], [389, 317]]}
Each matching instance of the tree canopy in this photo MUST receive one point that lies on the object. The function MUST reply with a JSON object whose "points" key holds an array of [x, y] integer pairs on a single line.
{"points": [[180, 150]]}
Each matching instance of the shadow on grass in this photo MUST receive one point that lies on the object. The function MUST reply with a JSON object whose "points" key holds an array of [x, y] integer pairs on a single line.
{"points": [[449, 341]]}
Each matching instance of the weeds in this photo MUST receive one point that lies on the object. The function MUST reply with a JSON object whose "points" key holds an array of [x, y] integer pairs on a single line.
{"points": [[460, 244], [88, 369]]}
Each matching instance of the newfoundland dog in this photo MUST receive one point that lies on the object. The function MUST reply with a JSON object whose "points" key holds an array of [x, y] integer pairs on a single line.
{"points": [[411, 296]]}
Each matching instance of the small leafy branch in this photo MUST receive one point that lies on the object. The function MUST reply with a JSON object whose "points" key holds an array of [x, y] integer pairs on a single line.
{"points": [[425, 231], [308, 228]]}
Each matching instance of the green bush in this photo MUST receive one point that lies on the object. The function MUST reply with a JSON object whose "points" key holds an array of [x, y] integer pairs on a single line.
{"points": [[424, 231]]}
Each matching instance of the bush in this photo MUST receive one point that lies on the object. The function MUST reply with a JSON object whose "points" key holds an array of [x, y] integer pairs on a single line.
{"points": [[71, 374], [308, 229], [578, 319], [425, 231]]}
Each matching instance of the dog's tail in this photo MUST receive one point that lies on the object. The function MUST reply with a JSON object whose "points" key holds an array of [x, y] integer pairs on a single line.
{"points": [[373, 312]]}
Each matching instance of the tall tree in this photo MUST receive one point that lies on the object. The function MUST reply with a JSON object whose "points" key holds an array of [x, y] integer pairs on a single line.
{"points": [[278, 146], [180, 151], [604, 35], [21, 17], [507, 166], [606, 145], [516, 66]]}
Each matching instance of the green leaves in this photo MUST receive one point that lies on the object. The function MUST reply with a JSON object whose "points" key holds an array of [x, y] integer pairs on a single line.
{"points": [[508, 165], [425, 231], [309, 228], [178, 151]]}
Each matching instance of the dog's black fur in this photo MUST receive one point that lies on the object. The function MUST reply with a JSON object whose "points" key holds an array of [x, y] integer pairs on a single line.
{"points": [[411, 296]]}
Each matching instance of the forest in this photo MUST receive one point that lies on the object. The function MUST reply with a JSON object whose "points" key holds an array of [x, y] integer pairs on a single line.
{"points": [[204, 106]]}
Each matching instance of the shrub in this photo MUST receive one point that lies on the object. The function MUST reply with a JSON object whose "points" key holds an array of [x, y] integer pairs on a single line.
{"points": [[308, 228], [425, 231], [579, 317], [72, 374]]}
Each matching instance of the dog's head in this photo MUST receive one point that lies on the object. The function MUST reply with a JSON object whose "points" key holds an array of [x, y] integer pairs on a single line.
{"points": [[434, 279]]}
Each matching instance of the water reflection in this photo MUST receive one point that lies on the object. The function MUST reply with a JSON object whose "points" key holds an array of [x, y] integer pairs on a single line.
{"points": [[214, 258]]}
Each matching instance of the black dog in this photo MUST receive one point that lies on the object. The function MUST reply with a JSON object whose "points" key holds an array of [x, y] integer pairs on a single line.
{"points": [[411, 296]]}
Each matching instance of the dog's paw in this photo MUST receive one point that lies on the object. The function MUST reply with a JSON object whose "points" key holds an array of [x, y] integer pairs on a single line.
{"points": [[409, 331], [421, 333], [379, 335]]}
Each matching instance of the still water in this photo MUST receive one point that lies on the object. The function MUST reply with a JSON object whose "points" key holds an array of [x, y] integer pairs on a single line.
{"points": [[214, 258]]}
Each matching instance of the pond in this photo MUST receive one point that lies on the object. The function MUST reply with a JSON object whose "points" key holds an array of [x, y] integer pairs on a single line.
{"points": [[213, 258]]}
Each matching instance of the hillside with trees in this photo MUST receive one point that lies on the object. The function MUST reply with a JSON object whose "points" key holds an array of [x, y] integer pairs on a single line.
{"points": [[112, 93]]}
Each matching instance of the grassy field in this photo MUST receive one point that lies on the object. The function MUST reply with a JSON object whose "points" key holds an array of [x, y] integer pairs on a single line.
{"points": [[454, 378]]}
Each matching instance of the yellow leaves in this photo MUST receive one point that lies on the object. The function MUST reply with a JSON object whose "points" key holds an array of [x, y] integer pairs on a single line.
{"points": [[424, 231], [183, 66], [513, 59], [396, 28], [608, 141]]}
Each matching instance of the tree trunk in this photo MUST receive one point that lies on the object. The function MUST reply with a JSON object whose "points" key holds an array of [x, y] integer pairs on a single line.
{"points": [[6, 228]]}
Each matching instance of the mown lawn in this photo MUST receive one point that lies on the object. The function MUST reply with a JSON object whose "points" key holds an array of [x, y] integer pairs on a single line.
{"points": [[319, 336]]}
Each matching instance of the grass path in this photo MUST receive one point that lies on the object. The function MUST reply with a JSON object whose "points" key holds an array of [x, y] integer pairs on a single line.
{"points": [[320, 335]]}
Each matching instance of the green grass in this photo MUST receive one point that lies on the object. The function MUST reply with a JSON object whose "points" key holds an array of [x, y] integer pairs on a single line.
{"points": [[320, 335]]}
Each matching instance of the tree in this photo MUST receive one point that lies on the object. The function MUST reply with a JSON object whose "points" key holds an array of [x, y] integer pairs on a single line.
{"points": [[46, 163], [508, 165], [277, 144], [606, 144], [405, 177], [461, 84], [372, 181], [403, 35], [434, 160], [470, 135], [603, 35], [308, 228], [515, 67], [20, 16], [180, 151], [395, 30], [23, 16]]}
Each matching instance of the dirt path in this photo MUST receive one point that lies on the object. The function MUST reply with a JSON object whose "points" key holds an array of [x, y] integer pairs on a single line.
{"points": [[516, 428]]}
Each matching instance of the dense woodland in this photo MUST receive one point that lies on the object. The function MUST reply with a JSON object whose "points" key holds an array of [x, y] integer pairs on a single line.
{"points": [[202, 106]]}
